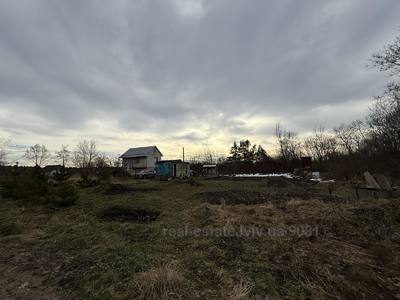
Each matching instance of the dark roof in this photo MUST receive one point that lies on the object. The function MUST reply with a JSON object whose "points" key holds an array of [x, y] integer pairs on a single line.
{"points": [[172, 160], [140, 152]]}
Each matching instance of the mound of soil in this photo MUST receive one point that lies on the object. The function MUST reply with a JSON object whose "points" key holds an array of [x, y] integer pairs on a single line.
{"points": [[124, 214], [115, 189], [308, 195], [233, 197]]}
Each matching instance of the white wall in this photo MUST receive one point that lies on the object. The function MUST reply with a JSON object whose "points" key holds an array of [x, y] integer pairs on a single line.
{"points": [[152, 159], [141, 163]]}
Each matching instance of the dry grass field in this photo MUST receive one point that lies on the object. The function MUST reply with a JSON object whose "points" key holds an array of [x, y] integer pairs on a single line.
{"points": [[270, 238]]}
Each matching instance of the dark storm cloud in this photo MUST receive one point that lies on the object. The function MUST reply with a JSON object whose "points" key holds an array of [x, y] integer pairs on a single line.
{"points": [[162, 66]]}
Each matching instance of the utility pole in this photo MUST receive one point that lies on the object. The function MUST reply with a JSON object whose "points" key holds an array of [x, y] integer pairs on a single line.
{"points": [[183, 154]]}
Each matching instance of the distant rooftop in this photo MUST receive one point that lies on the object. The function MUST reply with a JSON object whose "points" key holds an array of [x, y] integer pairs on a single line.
{"points": [[140, 151]]}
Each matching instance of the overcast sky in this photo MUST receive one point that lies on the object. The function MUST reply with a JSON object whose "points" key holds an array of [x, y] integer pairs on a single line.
{"points": [[187, 73]]}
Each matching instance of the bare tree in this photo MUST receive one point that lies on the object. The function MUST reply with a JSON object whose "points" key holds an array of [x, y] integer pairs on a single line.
{"points": [[389, 58], [38, 154], [116, 161], [3, 153], [221, 159], [321, 146], [194, 158], [351, 136], [289, 143], [63, 155], [102, 160], [209, 156], [344, 134], [85, 154], [206, 156], [384, 121], [384, 118]]}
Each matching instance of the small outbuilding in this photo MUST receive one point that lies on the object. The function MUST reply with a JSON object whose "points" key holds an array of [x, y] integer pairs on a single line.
{"points": [[166, 169], [210, 170]]}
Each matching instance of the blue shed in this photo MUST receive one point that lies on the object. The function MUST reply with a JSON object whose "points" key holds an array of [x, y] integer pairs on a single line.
{"points": [[172, 169]]}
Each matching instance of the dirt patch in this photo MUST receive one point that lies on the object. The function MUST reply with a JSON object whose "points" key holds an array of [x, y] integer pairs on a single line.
{"points": [[116, 189], [27, 273], [309, 195], [18, 283], [124, 214], [233, 197]]}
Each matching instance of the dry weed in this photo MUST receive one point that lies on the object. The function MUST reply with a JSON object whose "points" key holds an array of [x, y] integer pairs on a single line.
{"points": [[241, 290], [163, 282]]}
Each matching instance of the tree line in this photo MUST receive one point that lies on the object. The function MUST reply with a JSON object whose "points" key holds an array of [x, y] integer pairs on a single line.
{"points": [[373, 141], [377, 135], [85, 155]]}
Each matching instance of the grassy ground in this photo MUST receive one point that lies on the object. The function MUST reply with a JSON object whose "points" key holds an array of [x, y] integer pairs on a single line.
{"points": [[208, 239]]}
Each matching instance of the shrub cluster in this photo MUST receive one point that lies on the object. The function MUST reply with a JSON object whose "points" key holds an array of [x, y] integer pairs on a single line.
{"points": [[63, 194], [33, 186]]}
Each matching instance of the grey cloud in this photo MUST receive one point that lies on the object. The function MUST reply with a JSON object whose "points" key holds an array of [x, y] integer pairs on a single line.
{"points": [[153, 69]]}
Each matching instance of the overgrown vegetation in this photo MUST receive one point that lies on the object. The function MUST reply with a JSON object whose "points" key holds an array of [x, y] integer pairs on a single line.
{"points": [[32, 186], [163, 282], [62, 195], [312, 245]]}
